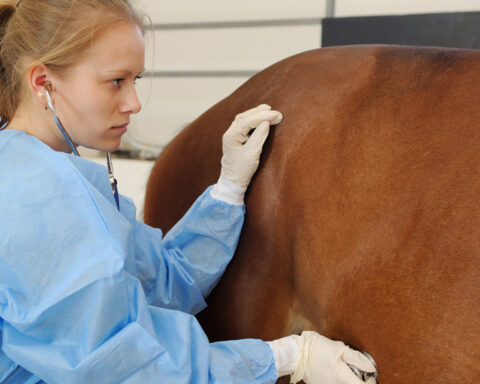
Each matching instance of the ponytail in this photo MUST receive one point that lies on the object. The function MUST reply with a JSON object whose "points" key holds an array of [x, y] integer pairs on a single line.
{"points": [[7, 9]]}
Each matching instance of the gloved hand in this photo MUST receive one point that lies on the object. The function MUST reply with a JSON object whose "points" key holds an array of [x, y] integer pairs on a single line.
{"points": [[318, 360], [241, 152], [324, 361]]}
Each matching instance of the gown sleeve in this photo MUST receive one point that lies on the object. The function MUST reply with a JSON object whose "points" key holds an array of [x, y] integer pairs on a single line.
{"points": [[73, 312], [179, 270]]}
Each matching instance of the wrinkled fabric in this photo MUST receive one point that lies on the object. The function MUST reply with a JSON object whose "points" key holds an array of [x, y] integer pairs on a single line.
{"points": [[90, 295]]}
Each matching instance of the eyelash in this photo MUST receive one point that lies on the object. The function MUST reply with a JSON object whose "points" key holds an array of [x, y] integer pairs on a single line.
{"points": [[116, 82]]}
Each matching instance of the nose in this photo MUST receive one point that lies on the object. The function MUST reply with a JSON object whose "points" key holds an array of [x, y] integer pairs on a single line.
{"points": [[131, 104]]}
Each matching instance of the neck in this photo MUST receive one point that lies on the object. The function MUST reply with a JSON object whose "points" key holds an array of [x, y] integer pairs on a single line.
{"points": [[39, 123]]}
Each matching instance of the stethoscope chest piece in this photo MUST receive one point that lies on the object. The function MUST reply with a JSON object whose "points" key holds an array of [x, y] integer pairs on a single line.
{"points": [[367, 377]]}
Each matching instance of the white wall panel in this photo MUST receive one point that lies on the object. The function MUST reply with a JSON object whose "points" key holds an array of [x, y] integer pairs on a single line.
{"points": [[230, 48], [175, 102], [182, 11], [132, 177], [391, 7]]}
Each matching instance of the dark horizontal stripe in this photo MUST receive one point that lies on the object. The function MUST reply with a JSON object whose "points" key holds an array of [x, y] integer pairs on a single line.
{"points": [[238, 24], [213, 73]]}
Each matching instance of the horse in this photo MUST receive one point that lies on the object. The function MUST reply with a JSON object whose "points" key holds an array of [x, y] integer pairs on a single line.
{"points": [[363, 219]]}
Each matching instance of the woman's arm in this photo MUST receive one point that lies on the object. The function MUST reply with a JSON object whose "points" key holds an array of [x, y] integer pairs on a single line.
{"points": [[181, 269]]}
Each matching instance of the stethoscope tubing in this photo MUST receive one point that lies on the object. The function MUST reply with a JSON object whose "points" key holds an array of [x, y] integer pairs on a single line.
{"points": [[113, 181], [58, 122]]}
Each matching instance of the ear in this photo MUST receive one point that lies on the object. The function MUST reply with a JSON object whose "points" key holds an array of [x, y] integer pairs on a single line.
{"points": [[38, 76]]}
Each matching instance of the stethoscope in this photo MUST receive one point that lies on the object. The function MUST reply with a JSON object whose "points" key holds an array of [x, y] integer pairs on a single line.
{"points": [[111, 177], [366, 377]]}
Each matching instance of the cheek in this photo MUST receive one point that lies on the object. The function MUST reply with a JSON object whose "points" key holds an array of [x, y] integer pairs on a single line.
{"points": [[98, 104]]}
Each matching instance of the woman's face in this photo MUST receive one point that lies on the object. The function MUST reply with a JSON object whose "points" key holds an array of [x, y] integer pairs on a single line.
{"points": [[95, 98]]}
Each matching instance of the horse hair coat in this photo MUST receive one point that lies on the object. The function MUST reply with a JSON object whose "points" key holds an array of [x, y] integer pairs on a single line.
{"points": [[363, 220]]}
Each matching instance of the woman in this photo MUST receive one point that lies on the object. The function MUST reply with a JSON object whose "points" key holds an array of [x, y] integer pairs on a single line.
{"points": [[87, 293]]}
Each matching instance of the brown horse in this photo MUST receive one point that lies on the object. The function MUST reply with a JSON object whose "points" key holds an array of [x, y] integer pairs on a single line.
{"points": [[363, 221]]}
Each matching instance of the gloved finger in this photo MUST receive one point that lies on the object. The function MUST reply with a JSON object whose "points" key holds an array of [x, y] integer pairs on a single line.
{"points": [[274, 117], [242, 126], [237, 134], [256, 118], [346, 376], [258, 137], [358, 359], [261, 107], [277, 120]]}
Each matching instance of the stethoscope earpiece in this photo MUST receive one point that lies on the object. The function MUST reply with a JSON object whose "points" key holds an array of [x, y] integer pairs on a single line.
{"points": [[48, 88]]}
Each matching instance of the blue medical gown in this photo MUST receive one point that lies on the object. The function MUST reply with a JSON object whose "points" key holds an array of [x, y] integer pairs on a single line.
{"points": [[90, 295]]}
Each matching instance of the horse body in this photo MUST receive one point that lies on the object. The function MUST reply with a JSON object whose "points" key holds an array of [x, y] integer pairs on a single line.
{"points": [[363, 221]]}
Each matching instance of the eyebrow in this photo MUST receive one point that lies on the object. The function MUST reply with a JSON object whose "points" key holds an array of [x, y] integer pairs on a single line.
{"points": [[126, 72]]}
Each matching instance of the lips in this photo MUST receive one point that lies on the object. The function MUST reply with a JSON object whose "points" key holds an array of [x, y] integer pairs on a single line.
{"points": [[121, 125]]}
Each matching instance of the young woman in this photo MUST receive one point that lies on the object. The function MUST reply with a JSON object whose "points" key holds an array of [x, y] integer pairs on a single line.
{"points": [[87, 293]]}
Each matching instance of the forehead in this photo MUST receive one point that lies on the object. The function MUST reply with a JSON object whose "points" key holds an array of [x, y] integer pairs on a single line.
{"points": [[121, 46]]}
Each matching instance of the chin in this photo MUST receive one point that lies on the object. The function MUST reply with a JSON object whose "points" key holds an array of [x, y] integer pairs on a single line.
{"points": [[106, 146], [110, 144], [111, 148]]}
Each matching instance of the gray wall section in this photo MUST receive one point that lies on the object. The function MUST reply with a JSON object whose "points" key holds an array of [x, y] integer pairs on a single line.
{"points": [[458, 30]]}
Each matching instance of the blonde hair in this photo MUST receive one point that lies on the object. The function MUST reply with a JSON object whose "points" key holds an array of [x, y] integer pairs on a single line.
{"points": [[52, 32]]}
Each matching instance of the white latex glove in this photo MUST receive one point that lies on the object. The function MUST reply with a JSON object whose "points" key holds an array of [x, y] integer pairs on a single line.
{"points": [[324, 361], [316, 359], [241, 153]]}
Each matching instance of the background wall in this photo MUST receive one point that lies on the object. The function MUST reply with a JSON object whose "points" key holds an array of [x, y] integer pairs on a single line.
{"points": [[201, 51], [391, 7]]}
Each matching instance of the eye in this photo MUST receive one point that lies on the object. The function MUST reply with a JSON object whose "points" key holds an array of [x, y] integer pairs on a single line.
{"points": [[136, 78], [117, 82]]}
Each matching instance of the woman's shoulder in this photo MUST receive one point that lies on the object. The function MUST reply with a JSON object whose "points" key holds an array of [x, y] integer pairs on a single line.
{"points": [[27, 165], [32, 172], [18, 147]]}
